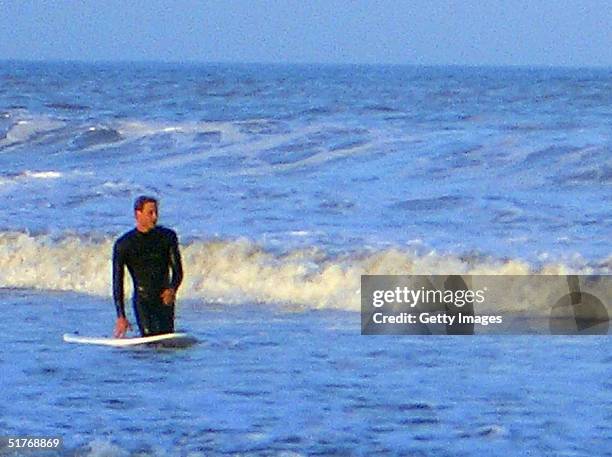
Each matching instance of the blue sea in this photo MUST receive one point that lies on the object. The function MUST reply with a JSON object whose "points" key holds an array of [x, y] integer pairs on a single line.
{"points": [[285, 184]]}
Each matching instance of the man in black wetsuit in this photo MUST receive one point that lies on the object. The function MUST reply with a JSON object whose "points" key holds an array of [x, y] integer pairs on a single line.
{"points": [[149, 252]]}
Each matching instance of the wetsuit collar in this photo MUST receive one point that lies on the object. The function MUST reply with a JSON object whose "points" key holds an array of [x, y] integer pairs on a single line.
{"points": [[147, 232]]}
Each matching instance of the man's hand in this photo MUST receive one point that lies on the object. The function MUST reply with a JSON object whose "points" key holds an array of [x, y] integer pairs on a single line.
{"points": [[168, 296], [121, 327]]}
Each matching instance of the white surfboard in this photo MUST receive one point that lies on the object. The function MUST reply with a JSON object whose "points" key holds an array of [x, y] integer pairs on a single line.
{"points": [[167, 340]]}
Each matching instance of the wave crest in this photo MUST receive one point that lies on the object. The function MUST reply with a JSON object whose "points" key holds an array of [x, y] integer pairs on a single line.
{"points": [[240, 271]]}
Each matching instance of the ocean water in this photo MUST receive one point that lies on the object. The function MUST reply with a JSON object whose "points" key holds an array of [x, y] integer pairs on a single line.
{"points": [[285, 185], [265, 382]]}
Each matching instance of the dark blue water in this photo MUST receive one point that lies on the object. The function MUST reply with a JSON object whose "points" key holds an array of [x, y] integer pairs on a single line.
{"points": [[504, 162], [266, 382], [286, 184]]}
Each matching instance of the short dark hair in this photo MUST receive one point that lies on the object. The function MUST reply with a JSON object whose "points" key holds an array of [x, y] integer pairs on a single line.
{"points": [[143, 200]]}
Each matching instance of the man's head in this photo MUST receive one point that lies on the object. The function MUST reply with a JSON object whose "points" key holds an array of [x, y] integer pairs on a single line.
{"points": [[145, 212]]}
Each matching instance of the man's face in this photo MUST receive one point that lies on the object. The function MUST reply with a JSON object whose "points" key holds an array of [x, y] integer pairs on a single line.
{"points": [[147, 218]]}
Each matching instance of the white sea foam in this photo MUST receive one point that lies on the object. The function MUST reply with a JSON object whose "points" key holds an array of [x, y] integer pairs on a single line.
{"points": [[42, 174], [29, 176], [134, 129], [239, 271], [29, 127]]}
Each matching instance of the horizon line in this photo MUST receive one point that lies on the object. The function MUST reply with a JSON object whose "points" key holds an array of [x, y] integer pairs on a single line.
{"points": [[305, 63]]}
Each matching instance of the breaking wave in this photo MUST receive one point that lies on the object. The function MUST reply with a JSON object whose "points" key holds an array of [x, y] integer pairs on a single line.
{"points": [[242, 272]]}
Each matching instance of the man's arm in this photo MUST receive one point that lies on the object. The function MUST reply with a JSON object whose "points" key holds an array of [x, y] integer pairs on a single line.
{"points": [[118, 272], [176, 265], [122, 325]]}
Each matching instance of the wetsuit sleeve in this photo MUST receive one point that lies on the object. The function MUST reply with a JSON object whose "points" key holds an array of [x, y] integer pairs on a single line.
{"points": [[118, 272], [175, 263]]}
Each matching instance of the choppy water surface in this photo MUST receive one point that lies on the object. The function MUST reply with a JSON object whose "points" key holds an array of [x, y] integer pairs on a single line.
{"points": [[266, 382], [504, 162], [285, 185]]}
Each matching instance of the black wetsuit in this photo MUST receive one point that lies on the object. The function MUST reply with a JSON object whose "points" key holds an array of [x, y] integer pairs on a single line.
{"points": [[149, 258]]}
